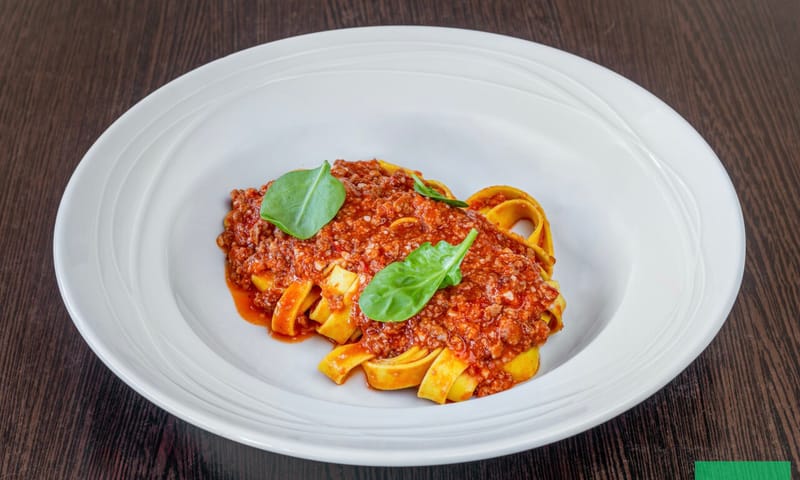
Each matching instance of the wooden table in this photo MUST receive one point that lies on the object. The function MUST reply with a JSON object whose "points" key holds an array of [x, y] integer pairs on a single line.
{"points": [[69, 68]]}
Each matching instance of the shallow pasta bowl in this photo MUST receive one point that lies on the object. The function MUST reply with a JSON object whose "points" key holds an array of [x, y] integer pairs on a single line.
{"points": [[648, 234]]}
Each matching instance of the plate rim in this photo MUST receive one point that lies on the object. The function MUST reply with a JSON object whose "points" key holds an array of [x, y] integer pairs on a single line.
{"points": [[95, 343]]}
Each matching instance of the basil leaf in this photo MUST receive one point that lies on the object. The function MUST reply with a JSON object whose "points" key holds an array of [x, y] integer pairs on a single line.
{"points": [[401, 289], [426, 191], [301, 202]]}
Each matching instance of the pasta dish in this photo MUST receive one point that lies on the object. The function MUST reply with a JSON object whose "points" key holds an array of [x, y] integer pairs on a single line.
{"points": [[415, 288]]}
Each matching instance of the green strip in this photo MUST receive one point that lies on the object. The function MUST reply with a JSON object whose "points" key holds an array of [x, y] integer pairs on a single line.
{"points": [[742, 471]]}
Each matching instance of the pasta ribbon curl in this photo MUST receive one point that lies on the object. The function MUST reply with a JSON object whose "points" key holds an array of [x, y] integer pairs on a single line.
{"points": [[338, 325]]}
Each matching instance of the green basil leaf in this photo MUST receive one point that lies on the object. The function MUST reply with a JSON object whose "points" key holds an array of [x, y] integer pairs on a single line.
{"points": [[424, 190], [401, 289], [301, 202]]}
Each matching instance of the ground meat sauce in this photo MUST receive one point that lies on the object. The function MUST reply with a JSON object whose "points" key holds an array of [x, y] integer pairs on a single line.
{"points": [[487, 320]]}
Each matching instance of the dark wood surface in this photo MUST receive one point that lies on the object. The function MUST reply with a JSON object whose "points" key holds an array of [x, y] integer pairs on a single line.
{"points": [[68, 68]]}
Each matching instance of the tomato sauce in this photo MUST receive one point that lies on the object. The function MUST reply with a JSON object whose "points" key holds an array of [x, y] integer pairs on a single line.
{"points": [[487, 320]]}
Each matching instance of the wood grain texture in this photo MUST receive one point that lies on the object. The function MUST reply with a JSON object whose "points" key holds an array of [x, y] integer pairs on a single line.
{"points": [[69, 68]]}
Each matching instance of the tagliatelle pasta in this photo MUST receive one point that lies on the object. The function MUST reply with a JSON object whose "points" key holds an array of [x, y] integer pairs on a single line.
{"points": [[476, 336]]}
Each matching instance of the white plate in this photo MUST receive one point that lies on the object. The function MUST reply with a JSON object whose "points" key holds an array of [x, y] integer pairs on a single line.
{"points": [[648, 234]]}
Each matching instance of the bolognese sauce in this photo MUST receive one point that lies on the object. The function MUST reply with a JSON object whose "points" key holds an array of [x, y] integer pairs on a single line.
{"points": [[490, 317]]}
